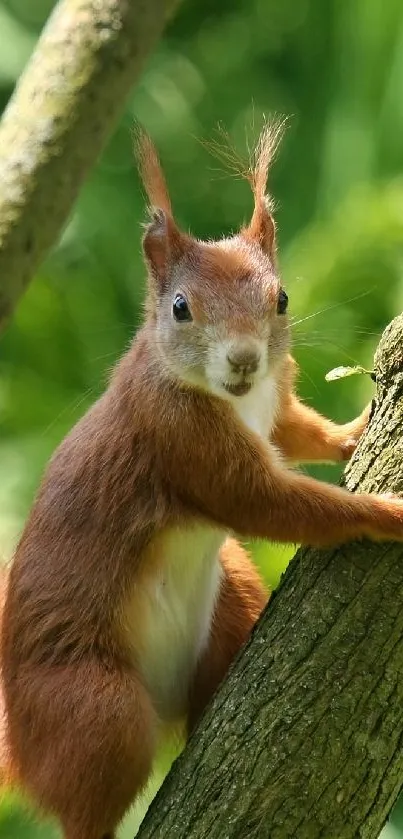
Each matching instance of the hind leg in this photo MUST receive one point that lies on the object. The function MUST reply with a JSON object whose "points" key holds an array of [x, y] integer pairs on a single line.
{"points": [[241, 599], [83, 738]]}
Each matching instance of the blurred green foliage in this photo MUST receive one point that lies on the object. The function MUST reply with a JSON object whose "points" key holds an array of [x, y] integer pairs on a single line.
{"points": [[335, 66]]}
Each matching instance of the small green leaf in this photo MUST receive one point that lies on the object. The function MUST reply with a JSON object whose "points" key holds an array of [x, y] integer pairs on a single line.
{"points": [[342, 372]]}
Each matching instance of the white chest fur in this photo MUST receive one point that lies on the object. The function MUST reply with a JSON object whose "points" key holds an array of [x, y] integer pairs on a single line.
{"points": [[258, 408], [177, 604], [174, 604]]}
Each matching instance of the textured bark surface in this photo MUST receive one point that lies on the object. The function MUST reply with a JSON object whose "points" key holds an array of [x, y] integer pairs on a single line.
{"points": [[304, 739], [59, 119]]}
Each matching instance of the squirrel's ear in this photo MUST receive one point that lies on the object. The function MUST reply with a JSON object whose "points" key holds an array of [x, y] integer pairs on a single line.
{"points": [[262, 228], [163, 245]]}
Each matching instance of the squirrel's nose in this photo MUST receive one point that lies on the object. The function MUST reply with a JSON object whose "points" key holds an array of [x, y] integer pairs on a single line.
{"points": [[243, 360]]}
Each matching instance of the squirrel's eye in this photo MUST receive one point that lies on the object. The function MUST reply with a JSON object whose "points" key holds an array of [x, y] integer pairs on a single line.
{"points": [[180, 308], [282, 302]]}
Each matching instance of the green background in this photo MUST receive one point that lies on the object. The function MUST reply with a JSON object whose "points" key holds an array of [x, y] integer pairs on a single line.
{"points": [[334, 66]]}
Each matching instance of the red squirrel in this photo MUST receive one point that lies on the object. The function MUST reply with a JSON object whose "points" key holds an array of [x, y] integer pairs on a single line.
{"points": [[127, 599]]}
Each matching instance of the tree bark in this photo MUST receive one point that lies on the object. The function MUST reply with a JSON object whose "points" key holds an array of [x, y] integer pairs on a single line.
{"points": [[304, 738], [64, 107]]}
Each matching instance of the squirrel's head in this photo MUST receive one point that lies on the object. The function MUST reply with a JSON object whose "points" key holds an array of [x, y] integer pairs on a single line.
{"points": [[218, 308]]}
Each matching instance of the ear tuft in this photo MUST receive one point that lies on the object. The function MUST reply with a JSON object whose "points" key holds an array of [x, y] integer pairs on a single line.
{"points": [[150, 171], [163, 243], [264, 154], [255, 170], [262, 228]]}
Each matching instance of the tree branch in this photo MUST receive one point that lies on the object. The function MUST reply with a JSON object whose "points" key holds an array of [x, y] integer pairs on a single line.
{"points": [[304, 738], [63, 110]]}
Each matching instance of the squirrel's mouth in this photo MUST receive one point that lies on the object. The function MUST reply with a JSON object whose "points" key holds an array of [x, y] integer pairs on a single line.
{"points": [[239, 389]]}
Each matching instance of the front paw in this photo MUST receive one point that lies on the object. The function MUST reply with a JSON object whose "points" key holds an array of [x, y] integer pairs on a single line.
{"points": [[353, 431], [348, 447]]}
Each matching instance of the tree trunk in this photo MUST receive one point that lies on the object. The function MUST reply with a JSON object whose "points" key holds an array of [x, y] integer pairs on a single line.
{"points": [[304, 738], [58, 121]]}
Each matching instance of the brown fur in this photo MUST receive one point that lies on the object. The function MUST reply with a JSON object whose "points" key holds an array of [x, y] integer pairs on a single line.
{"points": [[160, 451]]}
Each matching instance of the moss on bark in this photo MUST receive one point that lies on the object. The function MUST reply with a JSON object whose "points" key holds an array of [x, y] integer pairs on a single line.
{"points": [[62, 112]]}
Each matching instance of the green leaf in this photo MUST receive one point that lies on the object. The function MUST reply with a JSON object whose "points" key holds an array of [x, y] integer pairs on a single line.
{"points": [[343, 372]]}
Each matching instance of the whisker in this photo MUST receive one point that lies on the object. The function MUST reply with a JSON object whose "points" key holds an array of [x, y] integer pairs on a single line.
{"points": [[111, 328], [101, 357], [325, 344], [351, 331], [314, 385], [330, 308]]}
